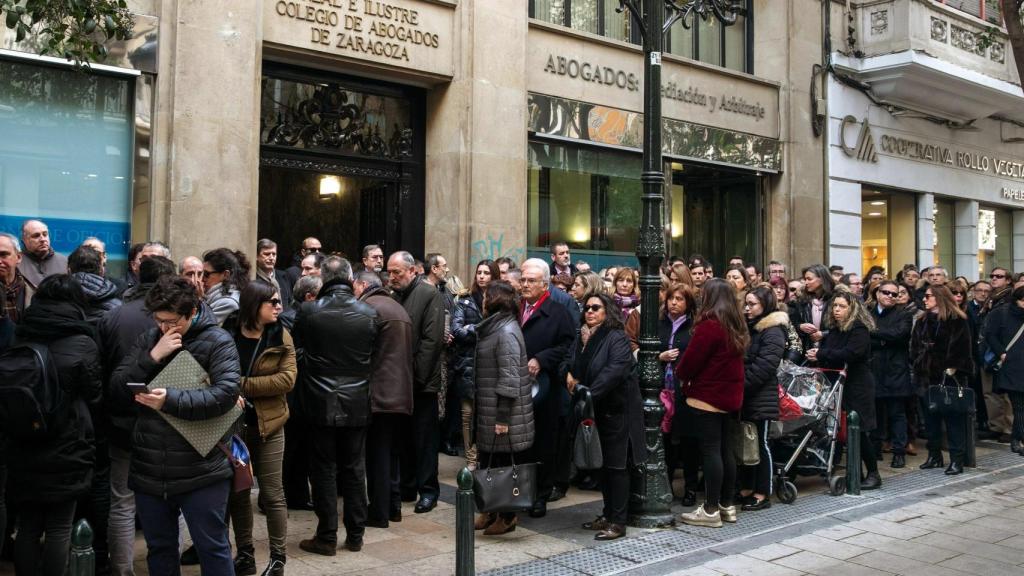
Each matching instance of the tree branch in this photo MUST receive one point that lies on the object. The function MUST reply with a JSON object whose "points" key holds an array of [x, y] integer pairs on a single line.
{"points": [[1015, 30]]}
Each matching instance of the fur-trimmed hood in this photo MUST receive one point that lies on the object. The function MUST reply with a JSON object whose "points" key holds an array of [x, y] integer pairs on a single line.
{"points": [[774, 319]]}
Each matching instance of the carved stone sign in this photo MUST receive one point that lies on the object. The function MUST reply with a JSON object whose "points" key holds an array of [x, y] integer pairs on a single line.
{"points": [[409, 34]]}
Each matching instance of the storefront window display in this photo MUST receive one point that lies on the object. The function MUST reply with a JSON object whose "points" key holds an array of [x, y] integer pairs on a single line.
{"points": [[66, 155], [590, 198], [995, 241]]}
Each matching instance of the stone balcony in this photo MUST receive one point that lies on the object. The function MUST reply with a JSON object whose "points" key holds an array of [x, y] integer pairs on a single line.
{"points": [[929, 57]]}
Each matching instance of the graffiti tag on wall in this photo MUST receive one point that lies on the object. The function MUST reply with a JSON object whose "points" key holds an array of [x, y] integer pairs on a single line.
{"points": [[493, 248]]}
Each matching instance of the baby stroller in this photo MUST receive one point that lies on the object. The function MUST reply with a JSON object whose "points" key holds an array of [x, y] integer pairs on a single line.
{"points": [[804, 440]]}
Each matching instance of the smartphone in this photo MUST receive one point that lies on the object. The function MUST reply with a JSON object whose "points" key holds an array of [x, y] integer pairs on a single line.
{"points": [[137, 387]]}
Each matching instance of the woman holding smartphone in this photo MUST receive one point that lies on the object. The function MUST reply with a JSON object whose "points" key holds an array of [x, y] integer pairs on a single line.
{"points": [[167, 474]]}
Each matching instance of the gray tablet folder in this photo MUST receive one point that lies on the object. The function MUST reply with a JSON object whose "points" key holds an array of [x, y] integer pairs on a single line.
{"points": [[185, 373]]}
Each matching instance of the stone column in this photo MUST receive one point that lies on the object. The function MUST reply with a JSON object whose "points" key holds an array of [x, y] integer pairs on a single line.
{"points": [[844, 225], [476, 141], [1018, 239], [965, 223], [207, 132], [925, 230]]}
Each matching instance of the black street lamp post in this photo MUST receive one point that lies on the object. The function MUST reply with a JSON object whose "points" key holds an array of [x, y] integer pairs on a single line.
{"points": [[649, 503]]}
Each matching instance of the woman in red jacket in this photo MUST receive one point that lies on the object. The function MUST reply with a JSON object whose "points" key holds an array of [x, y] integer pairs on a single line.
{"points": [[711, 376]]}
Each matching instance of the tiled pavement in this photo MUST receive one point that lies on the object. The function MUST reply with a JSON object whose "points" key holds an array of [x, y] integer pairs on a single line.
{"points": [[920, 522]]}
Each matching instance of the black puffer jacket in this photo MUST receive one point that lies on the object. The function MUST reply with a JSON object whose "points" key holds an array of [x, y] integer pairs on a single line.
{"points": [[503, 386], [464, 320], [100, 293], [59, 467], [163, 462], [119, 331], [890, 352], [761, 365], [337, 334]]}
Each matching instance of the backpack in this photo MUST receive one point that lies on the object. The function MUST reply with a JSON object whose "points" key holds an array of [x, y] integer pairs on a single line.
{"points": [[30, 392]]}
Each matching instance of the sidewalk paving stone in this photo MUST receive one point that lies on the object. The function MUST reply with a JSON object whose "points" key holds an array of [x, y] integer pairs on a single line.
{"points": [[888, 562], [772, 552], [981, 549], [819, 565], [825, 547], [897, 547], [740, 565], [981, 566]]}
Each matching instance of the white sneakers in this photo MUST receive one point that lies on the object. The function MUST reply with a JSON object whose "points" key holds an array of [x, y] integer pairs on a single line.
{"points": [[728, 513], [699, 517]]}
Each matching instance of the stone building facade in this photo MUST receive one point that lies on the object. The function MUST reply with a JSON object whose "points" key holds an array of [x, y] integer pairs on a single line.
{"points": [[474, 128]]}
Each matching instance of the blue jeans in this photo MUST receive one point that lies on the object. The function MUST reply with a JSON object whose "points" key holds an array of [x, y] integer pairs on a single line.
{"points": [[205, 512]]}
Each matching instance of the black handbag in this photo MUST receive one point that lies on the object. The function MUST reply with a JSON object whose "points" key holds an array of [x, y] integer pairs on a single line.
{"points": [[506, 489], [586, 448], [950, 399]]}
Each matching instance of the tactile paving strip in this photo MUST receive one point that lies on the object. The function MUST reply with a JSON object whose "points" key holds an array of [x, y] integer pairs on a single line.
{"points": [[638, 550], [592, 562], [533, 568], [678, 541]]}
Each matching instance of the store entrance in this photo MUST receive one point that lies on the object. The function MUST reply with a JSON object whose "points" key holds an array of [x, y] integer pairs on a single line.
{"points": [[888, 231], [714, 212], [341, 159]]}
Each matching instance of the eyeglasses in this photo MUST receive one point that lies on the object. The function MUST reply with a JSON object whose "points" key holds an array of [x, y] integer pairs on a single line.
{"points": [[997, 276], [162, 323], [593, 308], [532, 281], [889, 293], [274, 302], [208, 273]]}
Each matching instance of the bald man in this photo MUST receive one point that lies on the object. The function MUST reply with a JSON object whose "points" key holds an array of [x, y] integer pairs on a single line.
{"points": [[191, 269], [38, 258]]}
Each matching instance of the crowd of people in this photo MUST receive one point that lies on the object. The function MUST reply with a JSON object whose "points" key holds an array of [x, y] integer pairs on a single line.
{"points": [[352, 379]]}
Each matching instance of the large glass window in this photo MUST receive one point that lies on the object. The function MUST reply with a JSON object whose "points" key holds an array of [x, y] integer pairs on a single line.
{"points": [[708, 41], [66, 155], [587, 197], [995, 240]]}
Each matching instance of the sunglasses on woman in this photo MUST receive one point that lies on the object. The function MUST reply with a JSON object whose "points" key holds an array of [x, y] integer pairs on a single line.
{"points": [[593, 308], [274, 301]]}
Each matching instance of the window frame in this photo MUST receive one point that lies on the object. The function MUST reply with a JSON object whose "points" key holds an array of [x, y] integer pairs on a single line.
{"points": [[635, 38]]}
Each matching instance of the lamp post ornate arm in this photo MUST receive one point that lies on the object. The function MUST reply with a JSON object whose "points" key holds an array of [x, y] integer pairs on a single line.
{"points": [[651, 494]]}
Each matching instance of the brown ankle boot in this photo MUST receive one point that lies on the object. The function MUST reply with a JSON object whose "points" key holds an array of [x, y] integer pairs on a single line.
{"points": [[501, 526], [483, 521]]}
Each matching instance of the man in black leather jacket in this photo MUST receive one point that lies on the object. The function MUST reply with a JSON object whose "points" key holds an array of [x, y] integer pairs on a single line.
{"points": [[337, 334]]}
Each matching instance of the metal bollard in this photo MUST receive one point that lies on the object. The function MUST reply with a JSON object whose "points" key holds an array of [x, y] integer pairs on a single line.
{"points": [[853, 453], [465, 508], [83, 558]]}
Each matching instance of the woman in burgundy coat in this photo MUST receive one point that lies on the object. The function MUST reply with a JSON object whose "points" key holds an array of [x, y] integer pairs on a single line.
{"points": [[711, 375]]}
